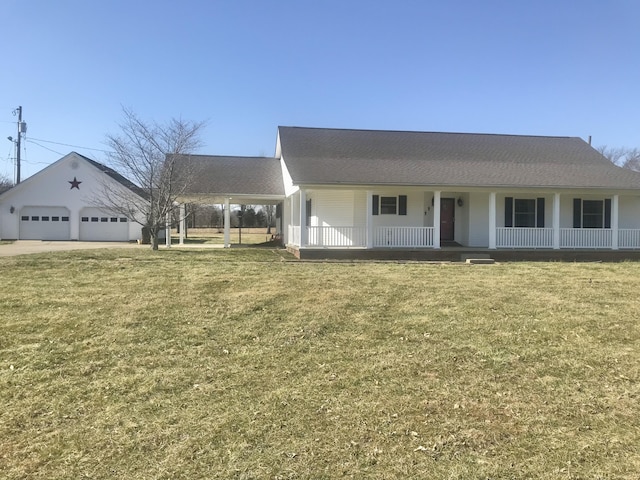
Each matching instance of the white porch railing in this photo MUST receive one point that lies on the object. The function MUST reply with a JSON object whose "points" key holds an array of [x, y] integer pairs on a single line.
{"points": [[521, 237], [585, 238], [629, 238], [422, 237], [403, 237], [337, 237]]}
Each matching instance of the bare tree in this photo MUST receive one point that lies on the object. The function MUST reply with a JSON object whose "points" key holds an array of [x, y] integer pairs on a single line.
{"points": [[622, 156], [5, 184], [270, 213], [146, 153]]}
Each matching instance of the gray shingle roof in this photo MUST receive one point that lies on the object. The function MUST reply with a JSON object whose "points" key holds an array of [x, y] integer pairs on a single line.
{"points": [[116, 176], [367, 157], [226, 176]]}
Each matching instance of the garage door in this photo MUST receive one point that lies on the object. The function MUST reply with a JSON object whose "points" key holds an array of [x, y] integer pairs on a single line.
{"points": [[99, 226], [44, 223]]}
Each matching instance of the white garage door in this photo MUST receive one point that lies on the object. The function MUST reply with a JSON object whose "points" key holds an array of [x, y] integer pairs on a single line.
{"points": [[44, 223], [99, 226]]}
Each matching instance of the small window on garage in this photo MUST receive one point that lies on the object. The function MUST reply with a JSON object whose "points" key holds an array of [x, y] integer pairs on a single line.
{"points": [[25, 218], [85, 219], [35, 218], [45, 219], [65, 219], [113, 219], [123, 219], [55, 219], [104, 219], [94, 219]]}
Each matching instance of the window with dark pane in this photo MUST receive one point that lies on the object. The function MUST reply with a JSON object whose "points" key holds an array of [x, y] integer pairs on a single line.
{"points": [[388, 205], [524, 214]]}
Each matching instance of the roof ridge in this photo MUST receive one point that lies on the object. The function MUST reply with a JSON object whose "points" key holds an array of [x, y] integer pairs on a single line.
{"points": [[373, 130], [225, 156]]}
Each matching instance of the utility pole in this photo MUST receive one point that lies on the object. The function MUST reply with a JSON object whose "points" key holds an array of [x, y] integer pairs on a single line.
{"points": [[22, 128]]}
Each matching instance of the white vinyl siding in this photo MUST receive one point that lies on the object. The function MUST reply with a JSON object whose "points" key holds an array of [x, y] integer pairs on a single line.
{"points": [[332, 208]]}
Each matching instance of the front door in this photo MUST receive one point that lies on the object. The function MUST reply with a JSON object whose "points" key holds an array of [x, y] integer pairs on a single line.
{"points": [[447, 217]]}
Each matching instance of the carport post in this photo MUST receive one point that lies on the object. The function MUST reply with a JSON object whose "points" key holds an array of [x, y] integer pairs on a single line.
{"points": [[167, 230], [183, 222], [227, 223]]}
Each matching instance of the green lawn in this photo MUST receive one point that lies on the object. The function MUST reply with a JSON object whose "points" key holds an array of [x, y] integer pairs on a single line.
{"points": [[234, 363]]}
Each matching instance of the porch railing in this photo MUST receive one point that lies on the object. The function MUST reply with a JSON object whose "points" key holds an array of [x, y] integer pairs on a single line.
{"points": [[403, 237], [629, 238], [585, 238], [337, 237], [523, 237], [422, 237]]}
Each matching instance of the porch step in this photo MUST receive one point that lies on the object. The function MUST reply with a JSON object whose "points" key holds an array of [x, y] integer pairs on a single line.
{"points": [[480, 261], [465, 256]]}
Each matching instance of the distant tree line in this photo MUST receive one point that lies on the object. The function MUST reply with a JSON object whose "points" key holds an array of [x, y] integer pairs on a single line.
{"points": [[247, 216]]}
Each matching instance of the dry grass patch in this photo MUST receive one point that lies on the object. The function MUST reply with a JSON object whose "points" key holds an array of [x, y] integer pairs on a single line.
{"points": [[235, 364]]}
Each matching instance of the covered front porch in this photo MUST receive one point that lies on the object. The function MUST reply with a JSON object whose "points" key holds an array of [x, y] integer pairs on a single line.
{"points": [[436, 219]]}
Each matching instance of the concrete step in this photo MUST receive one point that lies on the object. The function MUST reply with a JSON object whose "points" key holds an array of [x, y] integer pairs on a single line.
{"points": [[480, 261]]}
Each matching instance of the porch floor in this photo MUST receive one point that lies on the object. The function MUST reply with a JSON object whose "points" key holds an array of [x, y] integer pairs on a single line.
{"points": [[460, 254]]}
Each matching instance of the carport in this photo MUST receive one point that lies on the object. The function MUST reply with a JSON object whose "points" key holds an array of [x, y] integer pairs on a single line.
{"points": [[227, 181]]}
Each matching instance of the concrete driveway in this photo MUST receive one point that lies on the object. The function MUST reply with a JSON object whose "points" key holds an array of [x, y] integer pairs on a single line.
{"points": [[25, 247]]}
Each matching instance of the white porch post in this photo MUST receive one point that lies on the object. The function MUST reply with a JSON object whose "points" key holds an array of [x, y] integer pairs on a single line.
{"points": [[436, 218], [556, 221], [167, 230], [492, 220], [227, 223], [369, 220], [183, 222], [303, 218], [615, 205]]}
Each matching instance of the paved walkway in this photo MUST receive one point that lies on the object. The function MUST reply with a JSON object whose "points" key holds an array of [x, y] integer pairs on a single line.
{"points": [[25, 247]]}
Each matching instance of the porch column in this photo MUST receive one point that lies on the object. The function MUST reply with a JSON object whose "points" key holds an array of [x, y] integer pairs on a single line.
{"points": [[556, 221], [183, 222], [369, 220], [492, 220], [227, 223], [303, 218], [436, 218], [167, 229], [615, 205]]}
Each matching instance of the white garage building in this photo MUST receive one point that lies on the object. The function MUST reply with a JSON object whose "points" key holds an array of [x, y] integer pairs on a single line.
{"points": [[59, 203]]}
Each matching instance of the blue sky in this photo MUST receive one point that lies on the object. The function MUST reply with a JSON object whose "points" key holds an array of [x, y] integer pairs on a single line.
{"points": [[562, 67]]}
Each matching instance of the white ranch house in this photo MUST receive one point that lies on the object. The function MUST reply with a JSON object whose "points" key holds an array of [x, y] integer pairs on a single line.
{"points": [[355, 193], [355, 190]]}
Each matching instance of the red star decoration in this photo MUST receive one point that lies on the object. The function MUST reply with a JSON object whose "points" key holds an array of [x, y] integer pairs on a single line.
{"points": [[75, 183]]}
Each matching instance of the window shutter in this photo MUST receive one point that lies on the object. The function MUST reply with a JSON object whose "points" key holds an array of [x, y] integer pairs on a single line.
{"points": [[577, 213], [279, 210], [508, 212], [607, 213], [375, 205], [308, 212], [402, 205], [540, 213]]}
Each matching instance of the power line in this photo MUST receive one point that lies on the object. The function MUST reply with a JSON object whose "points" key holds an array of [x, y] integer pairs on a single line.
{"points": [[67, 145], [42, 146]]}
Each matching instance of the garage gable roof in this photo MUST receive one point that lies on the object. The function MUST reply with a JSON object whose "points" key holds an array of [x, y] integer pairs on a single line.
{"points": [[375, 157], [99, 166]]}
